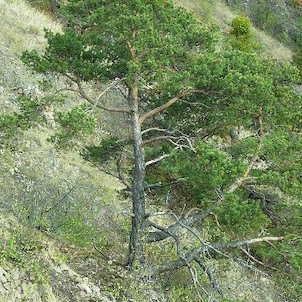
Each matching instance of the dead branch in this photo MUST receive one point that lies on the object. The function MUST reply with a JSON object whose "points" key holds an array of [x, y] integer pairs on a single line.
{"points": [[109, 87], [155, 129], [245, 178], [267, 197], [156, 160], [208, 247], [210, 275], [161, 185], [162, 137], [196, 283], [169, 233], [174, 228], [189, 221], [107, 258], [256, 260], [80, 90], [118, 176], [180, 146]]}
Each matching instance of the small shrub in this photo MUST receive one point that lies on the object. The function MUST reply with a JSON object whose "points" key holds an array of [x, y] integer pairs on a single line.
{"points": [[241, 37], [241, 26]]}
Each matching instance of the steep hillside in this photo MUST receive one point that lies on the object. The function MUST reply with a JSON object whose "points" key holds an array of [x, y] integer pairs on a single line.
{"points": [[222, 13], [37, 180], [34, 267], [22, 27], [65, 221], [281, 19]]}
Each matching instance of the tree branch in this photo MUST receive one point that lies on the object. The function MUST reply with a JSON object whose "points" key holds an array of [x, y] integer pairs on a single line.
{"points": [[169, 233], [161, 108], [160, 184], [245, 178], [256, 260], [118, 176], [158, 138], [155, 129], [174, 228], [169, 103], [207, 247], [96, 103], [174, 140], [188, 221], [156, 160], [210, 275]]}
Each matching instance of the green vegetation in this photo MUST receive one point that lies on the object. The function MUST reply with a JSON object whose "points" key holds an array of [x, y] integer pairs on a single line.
{"points": [[241, 37], [24, 250], [214, 141], [282, 20]]}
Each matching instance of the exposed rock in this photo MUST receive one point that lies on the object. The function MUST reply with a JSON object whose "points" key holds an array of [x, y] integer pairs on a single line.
{"points": [[52, 281]]}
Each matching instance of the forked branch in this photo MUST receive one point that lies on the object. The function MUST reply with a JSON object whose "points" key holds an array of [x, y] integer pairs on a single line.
{"points": [[191, 256], [246, 178], [96, 103], [169, 103]]}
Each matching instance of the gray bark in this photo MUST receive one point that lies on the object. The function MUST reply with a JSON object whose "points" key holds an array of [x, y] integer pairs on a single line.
{"points": [[136, 244]]}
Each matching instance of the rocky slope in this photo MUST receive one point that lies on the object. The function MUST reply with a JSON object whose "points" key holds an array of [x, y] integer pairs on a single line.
{"points": [[34, 267]]}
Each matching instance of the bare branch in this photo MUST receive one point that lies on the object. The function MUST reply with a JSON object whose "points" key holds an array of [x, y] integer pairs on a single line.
{"points": [[245, 178], [208, 247], [95, 103], [161, 108], [62, 199], [188, 221], [196, 283], [118, 176], [256, 260], [120, 173], [180, 146], [174, 228], [210, 275], [156, 160], [158, 138], [160, 184], [166, 230], [155, 129], [107, 258], [109, 87], [174, 140]]}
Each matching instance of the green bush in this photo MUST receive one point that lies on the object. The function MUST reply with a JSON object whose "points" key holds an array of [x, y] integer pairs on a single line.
{"points": [[241, 26], [241, 37]]}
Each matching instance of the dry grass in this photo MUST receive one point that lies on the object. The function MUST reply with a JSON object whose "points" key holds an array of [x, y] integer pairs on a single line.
{"points": [[202, 9], [221, 14], [272, 48], [21, 26]]}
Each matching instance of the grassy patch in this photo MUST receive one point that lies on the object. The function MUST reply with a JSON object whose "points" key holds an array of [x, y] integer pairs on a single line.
{"points": [[22, 26]]}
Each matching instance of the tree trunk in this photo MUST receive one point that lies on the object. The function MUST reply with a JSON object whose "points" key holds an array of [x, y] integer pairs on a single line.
{"points": [[136, 244]]}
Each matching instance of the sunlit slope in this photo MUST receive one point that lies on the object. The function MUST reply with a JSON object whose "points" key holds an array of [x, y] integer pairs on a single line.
{"points": [[220, 13]]}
